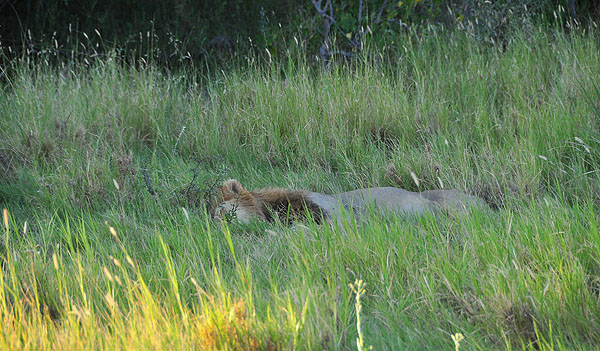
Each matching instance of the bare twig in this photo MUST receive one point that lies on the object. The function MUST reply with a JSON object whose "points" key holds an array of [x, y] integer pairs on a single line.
{"points": [[572, 11], [343, 53], [209, 188], [360, 8], [194, 177], [148, 182], [178, 137], [358, 33], [354, 41], [328, 20], [380, 11]]}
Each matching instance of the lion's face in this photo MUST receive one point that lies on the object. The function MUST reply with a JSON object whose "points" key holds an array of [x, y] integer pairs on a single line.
{"points": [[236, 203], [231, 210]]}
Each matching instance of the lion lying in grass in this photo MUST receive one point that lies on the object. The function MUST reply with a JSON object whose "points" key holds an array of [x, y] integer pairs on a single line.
{"points": [[233, 201]]}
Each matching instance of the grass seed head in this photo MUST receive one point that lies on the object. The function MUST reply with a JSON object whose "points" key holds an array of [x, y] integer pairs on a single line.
{"points": [[108, 297], [55, 260], [130, 261], [457, 338], [108, 275], [116, 262], [414, 178], [5, 215]]}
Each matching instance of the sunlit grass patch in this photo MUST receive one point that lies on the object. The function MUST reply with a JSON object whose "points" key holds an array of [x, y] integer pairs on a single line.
{"points": [[109, 169], [228, 327]]}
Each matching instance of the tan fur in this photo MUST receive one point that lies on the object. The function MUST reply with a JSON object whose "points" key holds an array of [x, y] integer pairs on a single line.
{"points": [[264, 204], [283, 204]]}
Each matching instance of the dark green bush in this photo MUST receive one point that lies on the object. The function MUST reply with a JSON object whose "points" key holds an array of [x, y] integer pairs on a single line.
{"points": [[206, 31]]}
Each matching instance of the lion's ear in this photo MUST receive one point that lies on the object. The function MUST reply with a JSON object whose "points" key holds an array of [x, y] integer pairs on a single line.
{"points": [[232, 187]]}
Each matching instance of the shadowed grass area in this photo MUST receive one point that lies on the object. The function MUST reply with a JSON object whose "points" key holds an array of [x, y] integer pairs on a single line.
{"points": [[102, 145]]}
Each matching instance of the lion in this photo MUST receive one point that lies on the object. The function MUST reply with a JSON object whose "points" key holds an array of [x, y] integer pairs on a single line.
{"points": [[271, 204]]}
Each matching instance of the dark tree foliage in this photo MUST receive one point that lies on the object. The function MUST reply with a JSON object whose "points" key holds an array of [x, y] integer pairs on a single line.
{"points": [[178, 29], [183, 25]]}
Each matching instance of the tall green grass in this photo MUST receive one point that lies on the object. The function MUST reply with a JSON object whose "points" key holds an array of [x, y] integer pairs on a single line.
{"points": [[107, 168]]}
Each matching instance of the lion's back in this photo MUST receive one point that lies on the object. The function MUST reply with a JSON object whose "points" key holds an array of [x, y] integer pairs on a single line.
{"points": [[386, 199]]}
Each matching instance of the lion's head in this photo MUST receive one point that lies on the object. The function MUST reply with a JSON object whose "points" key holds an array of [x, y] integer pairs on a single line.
{"points": [[233, 201]]}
